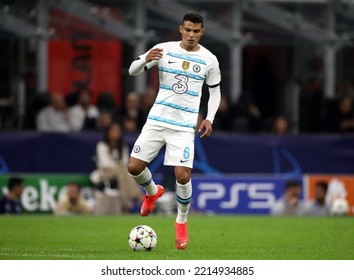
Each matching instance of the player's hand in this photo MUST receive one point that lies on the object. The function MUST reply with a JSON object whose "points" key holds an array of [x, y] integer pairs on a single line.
{"points": [[154, 54], [208, 128]]}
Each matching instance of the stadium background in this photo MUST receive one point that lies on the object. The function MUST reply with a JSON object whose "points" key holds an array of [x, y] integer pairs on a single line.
{"points": [[62, 45]]}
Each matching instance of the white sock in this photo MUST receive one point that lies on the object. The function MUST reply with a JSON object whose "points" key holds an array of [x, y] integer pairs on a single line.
{"points": [[184, 197], [144, 179]]}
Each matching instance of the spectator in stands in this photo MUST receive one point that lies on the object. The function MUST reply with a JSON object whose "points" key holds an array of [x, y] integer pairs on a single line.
{"points": [[10, 203], [132, 110], [147, 100], [72, 98], [281, 125], [72, 203], [342, 119], [290, 203], [84, 115], [224, 118], [116, 190], [54, 117], [318, 206], [130, 125], [106, 102], [248, 116], [105, 120]]}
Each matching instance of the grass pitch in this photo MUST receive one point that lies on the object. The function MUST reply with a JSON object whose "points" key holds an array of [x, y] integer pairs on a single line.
{"points": [[211, 237]]}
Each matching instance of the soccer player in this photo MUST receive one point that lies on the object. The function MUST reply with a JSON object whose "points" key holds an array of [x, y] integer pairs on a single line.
{"points": [[183, 67]]}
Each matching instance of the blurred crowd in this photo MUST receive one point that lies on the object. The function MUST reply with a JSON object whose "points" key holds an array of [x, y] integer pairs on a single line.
{"points": [[338, 117], [55, 112], [291, 204], [267, 104], [119, 196], [329, 198]]}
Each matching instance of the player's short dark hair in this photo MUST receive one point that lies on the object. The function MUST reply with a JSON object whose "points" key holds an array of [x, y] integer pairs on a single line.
{"points": [[323, 185], [292, 184], [14, 182], [193, 17]]}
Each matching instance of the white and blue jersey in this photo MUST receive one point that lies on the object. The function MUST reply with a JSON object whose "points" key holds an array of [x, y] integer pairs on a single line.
{"points": [[182, 74]]}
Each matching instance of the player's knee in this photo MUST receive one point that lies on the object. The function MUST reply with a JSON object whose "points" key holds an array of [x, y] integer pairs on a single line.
{"points": [[183, 177], [134, 169]]}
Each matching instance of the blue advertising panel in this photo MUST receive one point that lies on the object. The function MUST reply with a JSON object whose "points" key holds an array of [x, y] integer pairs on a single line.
{"points": [[34, 152], [238, 195]]}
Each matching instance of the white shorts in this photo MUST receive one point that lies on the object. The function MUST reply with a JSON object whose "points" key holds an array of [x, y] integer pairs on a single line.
{"points": [[179, 145]]}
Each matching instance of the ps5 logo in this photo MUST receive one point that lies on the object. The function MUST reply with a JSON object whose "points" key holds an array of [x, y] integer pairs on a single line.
{"points": [[260, 195]]}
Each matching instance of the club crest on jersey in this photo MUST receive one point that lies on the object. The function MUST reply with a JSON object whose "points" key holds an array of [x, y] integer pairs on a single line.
{"points": [[185, 65], [136, 149], [196, 68]]}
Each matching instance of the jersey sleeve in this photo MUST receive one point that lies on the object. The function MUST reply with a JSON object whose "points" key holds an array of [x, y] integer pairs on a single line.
{"points": [[213, 78]]}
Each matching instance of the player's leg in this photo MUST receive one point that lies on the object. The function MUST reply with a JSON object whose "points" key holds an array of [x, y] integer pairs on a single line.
{"points": [[145, 150], [183, 192], [180, 153], [142, 176], [184, 197]]}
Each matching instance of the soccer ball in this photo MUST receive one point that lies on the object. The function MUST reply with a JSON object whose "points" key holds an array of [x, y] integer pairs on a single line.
{"points": [[339, 207], [142, 238]]}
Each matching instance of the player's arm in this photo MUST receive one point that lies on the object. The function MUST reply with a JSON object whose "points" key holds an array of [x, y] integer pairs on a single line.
{"points": [[213, 105], [213, 80], [145, 62]]}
